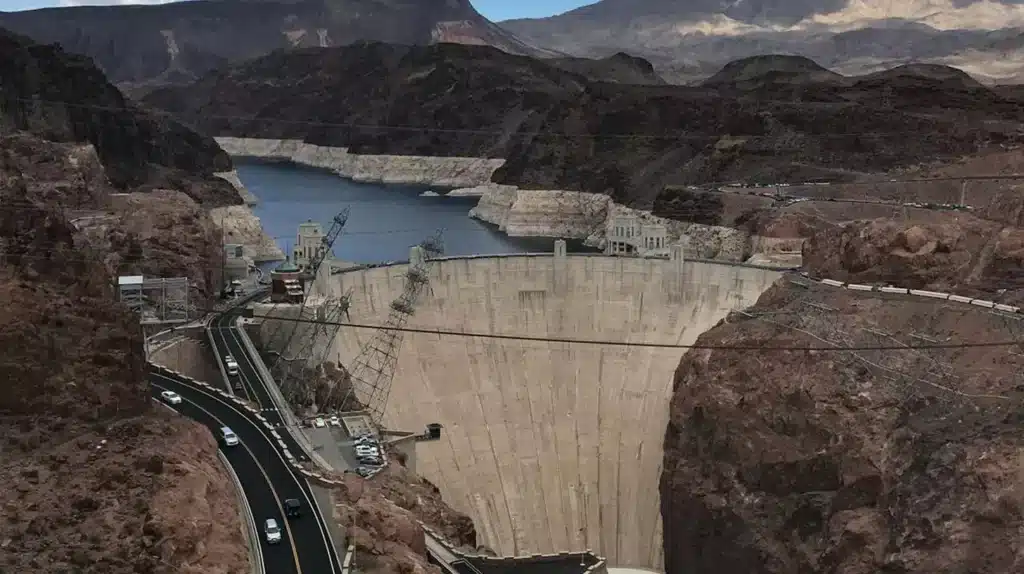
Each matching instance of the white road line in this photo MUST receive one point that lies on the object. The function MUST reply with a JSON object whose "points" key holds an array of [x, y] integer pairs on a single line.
{"points": [[291, 469]]}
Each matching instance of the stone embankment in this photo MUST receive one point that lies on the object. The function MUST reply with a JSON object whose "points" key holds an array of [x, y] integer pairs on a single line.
{"points": [[443, 172], [516, 212], [591, 216]]}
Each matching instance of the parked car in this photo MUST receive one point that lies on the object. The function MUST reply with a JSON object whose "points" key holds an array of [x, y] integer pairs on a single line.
{"points": [[319, 423], [272, 530], [171, 397]]}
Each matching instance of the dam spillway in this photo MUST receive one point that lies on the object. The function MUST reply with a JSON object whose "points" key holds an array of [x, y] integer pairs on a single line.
{"points": [[548, 446]]}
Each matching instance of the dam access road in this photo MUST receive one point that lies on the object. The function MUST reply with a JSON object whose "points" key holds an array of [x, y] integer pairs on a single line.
{"points": [[548, 446]]}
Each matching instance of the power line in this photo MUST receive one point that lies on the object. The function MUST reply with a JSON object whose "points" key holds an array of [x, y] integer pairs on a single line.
{"points": [[612, 343], [411, 128]]}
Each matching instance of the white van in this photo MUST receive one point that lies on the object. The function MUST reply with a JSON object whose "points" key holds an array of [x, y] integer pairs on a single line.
{"points": [[232, 366]]}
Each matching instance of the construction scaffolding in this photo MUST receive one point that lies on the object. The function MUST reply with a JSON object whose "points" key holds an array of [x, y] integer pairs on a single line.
{"points": [[373, 369], [158, 301]]}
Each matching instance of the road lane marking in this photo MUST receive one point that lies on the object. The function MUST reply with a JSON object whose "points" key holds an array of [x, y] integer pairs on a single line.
{"points": [[246, 383], [270, 483], [321, 524], [252, 365]]}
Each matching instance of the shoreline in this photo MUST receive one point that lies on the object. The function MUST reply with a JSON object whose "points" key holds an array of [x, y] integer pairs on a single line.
{"points": [[517, 213]]}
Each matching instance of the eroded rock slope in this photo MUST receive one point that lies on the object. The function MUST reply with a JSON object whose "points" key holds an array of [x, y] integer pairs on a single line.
{"points": [[898, 460]]}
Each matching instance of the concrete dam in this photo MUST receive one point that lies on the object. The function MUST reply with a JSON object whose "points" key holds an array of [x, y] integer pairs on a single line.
{"points": [[548, 446]]}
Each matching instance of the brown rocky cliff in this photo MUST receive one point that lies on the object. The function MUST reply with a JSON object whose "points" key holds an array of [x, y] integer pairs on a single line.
{"points": [[809, 462], [95, 479], [969, 256], [381, 518], [62, 97]]}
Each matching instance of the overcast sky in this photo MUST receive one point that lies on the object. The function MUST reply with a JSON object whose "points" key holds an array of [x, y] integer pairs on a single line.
{"points": [[494, 9]]}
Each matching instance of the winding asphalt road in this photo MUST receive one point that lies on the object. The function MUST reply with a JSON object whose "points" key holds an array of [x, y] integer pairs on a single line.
{"points": [[227, 342], [266, 477]]}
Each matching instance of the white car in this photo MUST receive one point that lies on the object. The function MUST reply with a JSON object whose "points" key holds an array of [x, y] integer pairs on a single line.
{"points": [[272, 530], [334, 421], [171, 397], [319, 423], [229, 436]]}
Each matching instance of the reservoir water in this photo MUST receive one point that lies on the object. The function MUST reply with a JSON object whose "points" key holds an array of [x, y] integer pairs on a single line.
{"points": [[384, 222]]}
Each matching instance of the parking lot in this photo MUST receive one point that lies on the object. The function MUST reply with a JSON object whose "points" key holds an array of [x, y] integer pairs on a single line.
{"points": [[347, 443]]}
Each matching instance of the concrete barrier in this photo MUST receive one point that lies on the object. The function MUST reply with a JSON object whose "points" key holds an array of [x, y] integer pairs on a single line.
{"points": [[252, 533]]}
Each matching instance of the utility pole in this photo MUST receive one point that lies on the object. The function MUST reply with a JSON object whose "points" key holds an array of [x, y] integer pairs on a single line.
{"points": [[223, 255]]}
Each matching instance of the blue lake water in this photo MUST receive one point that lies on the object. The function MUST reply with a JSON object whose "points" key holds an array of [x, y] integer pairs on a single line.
{"points": [[384, 221]]}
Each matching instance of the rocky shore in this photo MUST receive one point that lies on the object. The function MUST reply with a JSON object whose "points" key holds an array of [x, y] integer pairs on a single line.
{"points": [[441, 172]]}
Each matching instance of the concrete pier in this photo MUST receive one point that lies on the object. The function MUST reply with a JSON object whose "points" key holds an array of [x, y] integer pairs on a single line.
{"points": [[548, 446]]}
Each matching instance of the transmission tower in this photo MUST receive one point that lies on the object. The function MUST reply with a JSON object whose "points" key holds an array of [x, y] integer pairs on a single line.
{"points": [[313, 344], [285, 368], [373, 369]]}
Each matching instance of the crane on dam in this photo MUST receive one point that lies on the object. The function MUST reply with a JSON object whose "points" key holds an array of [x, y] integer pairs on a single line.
{"points": [[311, 340], [373, 368]]}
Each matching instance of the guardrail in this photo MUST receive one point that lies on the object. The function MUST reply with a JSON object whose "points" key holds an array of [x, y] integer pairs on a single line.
{"points": [[255, 413], [252, 534], [917, 292], [280, 403]]}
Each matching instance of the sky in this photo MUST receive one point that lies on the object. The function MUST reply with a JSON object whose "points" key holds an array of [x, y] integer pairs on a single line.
{"points": [[495, 10]]}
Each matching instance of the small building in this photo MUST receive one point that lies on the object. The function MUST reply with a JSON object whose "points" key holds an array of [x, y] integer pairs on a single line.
{"points": [[629, 235], [308, 242], [286, 284], [236, 264]]}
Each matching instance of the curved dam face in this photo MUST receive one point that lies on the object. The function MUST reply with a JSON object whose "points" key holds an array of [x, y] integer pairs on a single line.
{"points": [[548, 446]]}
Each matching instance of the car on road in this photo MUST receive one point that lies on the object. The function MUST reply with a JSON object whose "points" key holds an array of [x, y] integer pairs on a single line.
{"points": [[171, 397], [292, 508], [272, 530], [228, 436], [232, 365]]}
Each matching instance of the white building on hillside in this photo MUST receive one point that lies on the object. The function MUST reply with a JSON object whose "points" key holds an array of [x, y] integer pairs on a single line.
{"points": [[629, 235]]}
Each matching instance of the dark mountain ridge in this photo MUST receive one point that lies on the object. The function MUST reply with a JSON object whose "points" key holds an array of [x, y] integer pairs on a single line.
{"points": [[558, 129], [63, 97], [139, 46]]}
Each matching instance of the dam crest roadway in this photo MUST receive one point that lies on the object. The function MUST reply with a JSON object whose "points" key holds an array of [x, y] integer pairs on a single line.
{"points": [[548, 447]]}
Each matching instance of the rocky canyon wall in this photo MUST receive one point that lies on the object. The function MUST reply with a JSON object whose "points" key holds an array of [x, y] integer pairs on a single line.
{"points": [[591, 216]]}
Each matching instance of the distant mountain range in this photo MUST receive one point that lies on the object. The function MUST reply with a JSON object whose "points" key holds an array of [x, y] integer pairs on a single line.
{"points": [[142, 46], [690, 40]]}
